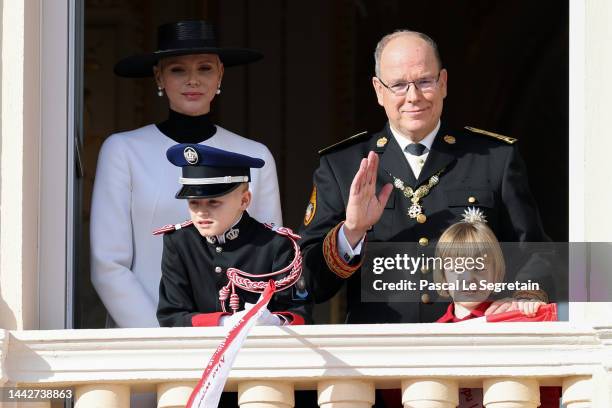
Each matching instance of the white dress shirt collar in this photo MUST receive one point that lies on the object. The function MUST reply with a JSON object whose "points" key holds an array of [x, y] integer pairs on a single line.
{"points": [[404, 141]]}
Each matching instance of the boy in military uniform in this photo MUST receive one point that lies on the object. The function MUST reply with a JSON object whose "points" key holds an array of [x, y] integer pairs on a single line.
{"points": [[196, 288]]}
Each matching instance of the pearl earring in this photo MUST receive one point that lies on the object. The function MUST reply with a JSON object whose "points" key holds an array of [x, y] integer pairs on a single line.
{"points": [[218, 90], [160, 91]]}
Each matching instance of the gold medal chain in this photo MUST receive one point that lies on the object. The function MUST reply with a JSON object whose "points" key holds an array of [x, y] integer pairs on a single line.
{"points": [[415, 195]]}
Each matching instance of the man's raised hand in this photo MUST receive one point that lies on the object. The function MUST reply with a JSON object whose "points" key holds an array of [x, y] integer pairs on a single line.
{"points": [[364, 207]]}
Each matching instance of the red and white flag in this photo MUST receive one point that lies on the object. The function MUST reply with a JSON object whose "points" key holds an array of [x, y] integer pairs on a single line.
{"points": [[208, 391]]}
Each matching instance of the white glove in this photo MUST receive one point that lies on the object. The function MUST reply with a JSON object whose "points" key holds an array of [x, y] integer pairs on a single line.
{"points": [[266, 319], [231, 320]]}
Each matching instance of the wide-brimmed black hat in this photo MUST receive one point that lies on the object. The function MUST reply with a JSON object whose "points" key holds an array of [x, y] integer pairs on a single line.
{"points": [[184, 38]]}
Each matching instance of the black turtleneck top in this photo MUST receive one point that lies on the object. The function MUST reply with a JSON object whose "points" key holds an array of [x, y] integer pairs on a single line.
{"points": [[187, 129]]}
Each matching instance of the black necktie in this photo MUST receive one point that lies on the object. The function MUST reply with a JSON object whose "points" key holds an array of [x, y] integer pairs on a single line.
{"points": [[415, 149]]}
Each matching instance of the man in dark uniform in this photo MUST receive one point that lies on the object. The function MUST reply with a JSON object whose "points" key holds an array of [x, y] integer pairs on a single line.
{"points": [[426, 175], [195, 288]]}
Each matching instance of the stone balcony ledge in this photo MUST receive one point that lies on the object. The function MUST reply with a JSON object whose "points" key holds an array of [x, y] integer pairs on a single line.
{"points": [[303, 355]]}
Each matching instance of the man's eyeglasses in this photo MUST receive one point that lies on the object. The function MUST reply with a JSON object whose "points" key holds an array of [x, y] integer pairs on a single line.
{"points": [[423, 85]]}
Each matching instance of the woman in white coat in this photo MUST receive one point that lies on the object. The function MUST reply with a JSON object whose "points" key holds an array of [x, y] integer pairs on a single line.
{"points": [[134, 185]]}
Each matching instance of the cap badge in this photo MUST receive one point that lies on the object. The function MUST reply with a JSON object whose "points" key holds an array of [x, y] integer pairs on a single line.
{"points": [[191, 155]]}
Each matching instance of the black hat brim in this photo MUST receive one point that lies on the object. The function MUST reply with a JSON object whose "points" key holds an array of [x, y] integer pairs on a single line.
{"points": [[206, 191], [141, 65]]}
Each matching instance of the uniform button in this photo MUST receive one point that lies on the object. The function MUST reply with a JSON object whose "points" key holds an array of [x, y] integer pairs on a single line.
{"points": [[218, 249], [424, 270], [471, 200], [421, 218], [425, 298], [423, 241], [218, 269]]}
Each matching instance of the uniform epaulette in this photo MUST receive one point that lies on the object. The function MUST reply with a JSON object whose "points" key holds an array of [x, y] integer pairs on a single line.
{"points": [[344, 143], [507, 139], [172, 227]]}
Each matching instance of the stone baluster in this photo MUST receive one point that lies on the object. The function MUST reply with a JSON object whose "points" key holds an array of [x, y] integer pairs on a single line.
{"points": [[430, 393], [265, 394], [511, 393], [577, 392], [174, 394], [102, 396], [346, 394]]}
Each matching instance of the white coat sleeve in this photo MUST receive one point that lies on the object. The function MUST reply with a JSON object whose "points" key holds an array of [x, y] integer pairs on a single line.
{"points": [[111, 241], [265, 206]]}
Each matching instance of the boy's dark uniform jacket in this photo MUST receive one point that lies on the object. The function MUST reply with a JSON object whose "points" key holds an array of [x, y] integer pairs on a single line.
{"points": [[481, 170], [191, 278]]}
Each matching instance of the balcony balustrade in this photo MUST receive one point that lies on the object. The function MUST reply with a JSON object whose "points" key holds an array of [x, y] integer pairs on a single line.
{"points": [[344, 363]]}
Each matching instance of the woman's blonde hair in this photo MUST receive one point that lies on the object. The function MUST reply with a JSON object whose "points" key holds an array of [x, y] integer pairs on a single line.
{"points": [[469, 239]]}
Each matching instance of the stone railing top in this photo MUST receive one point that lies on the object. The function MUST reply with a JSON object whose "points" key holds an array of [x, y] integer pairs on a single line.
{"points": [[304, 354]]}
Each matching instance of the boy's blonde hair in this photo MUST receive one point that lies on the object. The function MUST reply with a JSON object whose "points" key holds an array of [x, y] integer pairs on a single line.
{"points": [[469, 239]]}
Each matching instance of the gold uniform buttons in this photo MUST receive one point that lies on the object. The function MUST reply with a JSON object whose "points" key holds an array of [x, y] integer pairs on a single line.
{"points": [[471, 199], [421, 218], [423, 241], [425, 298]]}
